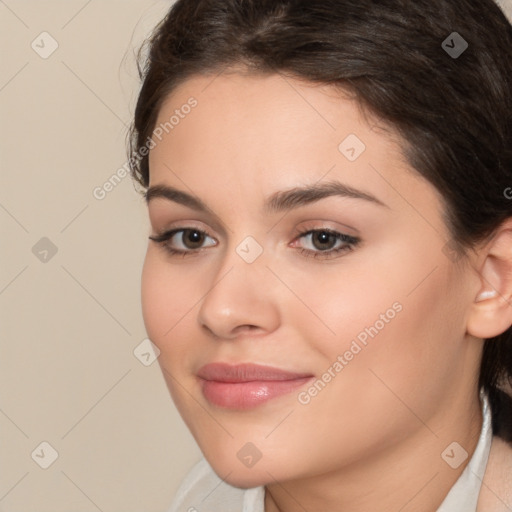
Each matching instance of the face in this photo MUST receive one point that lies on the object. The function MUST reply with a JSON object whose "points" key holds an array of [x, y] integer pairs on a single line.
{"points": [[305, 257]]}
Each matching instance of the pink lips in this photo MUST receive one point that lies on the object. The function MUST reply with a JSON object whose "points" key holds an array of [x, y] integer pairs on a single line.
{"points": [[245, 386]]}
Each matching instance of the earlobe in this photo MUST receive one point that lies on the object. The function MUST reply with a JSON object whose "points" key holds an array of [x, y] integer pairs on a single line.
{"points": [[491, 311]]}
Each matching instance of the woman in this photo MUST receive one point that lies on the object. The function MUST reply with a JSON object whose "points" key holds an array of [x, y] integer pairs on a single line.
{"points": [[328, 277]]}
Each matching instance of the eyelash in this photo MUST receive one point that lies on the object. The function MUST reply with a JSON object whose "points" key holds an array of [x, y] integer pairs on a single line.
{"points": [[350, 242]]}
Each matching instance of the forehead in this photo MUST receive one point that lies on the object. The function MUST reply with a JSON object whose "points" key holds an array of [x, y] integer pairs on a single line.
{"points": [[263, 133], [270, 105]]}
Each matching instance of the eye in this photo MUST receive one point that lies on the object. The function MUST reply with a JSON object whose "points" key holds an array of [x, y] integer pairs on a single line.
{"points": [[183, 240], [326, 243], [323, 243]]}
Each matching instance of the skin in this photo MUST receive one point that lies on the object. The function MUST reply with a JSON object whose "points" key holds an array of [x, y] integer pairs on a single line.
{"points": [[372, 439]]}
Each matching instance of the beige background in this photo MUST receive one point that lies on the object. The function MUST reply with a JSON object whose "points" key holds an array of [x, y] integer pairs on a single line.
{"points": [[70, 324]]}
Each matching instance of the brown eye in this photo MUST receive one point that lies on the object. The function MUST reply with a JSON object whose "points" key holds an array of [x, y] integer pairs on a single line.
{"points": [[184, 241], [192, 238], [323, 240], [325, 243]]}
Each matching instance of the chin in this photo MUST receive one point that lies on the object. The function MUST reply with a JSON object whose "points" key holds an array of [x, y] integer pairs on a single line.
{"points": [[235, 473], [248, 478]]}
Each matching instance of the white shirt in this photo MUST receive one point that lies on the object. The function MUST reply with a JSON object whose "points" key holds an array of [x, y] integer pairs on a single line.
{"points": [[203, 491]]}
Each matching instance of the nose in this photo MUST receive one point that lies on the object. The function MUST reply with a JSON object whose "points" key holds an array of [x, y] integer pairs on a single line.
{"points": [[241, 298]]}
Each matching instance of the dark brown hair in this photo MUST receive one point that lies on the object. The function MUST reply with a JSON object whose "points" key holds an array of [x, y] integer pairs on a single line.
{"points": [[453, 112]]}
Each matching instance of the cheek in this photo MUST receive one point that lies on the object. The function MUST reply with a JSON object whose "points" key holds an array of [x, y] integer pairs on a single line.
{"points": [[334, 305], [413, 353], [153, 299], [384, 322], [165, 300]]}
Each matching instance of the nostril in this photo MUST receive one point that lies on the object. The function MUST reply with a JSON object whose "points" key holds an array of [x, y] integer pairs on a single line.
{"points": [[248, 327]]}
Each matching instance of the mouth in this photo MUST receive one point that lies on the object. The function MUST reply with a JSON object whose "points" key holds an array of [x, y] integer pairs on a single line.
{"points": [[245, 386]]}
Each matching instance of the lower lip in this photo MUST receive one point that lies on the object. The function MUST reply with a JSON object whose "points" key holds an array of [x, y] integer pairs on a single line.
{"points": [[246, 395]]}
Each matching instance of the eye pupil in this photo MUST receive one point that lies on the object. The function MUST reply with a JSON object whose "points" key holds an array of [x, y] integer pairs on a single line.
{"points": [[192, 239], [323, 238]]}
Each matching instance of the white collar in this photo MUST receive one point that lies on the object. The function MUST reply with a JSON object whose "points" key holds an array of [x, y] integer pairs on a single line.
{"points": [[463, 496]]}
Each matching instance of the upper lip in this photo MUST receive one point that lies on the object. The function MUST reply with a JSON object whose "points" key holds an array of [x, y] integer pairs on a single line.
{"points": [[246, 372]]}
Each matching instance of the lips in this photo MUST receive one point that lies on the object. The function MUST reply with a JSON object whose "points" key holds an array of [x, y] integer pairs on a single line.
{"points": [[245, 386]]}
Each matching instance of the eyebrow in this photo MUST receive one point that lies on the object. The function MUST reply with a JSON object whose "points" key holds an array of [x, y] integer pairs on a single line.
{"points": [[280, 201]]}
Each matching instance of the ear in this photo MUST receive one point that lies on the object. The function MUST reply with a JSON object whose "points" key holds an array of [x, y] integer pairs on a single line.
{"points": [[491, 311]]}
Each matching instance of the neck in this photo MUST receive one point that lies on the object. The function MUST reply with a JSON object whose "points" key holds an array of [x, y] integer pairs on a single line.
{"points": [[408, 476]]}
